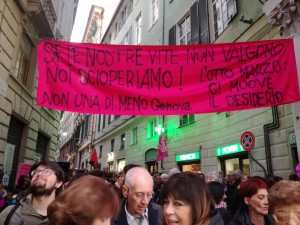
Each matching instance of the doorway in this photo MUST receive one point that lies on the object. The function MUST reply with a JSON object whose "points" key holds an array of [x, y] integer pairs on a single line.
{"points": [[236, 162]]}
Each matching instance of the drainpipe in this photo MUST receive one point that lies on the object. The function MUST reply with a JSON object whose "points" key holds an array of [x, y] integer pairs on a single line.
{"points": [[267, 129]]}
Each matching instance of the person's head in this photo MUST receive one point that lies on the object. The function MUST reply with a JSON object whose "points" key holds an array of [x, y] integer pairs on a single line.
{"points": [[213, 176], [164, 178], [186, 200], [174, 171], [298, 170], [230, 177], [238, 174], [157, 178], [217, 190], [47, 178], [284, 200], [138, 189], [87, 201], [244, 177], [128, 167], [254, 193], [23, 182]]}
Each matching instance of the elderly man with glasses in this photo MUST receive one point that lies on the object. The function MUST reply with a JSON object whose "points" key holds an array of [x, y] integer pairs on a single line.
{"points": [[137, 208], [46, 182]]}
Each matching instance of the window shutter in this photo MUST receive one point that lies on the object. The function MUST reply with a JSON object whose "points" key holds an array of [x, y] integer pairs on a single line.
{"points": [[231, 9], [130, 36], [172, 35], [194, 23], [203, 14]]}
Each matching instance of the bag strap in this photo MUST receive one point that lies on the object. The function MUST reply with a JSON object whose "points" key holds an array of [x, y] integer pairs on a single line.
{"points": [[10, 214]]}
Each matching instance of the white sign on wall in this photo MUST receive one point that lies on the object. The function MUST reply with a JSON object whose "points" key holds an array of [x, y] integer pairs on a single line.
{"points": [[8, 157]]}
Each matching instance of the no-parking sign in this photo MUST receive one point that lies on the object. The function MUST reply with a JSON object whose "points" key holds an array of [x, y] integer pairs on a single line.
{"points": [[247, 140]]}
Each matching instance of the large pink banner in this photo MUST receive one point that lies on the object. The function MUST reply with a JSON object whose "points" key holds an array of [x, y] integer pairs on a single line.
{"points": [[166, 80]]}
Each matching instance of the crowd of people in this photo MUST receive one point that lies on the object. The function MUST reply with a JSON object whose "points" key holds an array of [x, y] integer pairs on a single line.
{"points": [[49, 196]]}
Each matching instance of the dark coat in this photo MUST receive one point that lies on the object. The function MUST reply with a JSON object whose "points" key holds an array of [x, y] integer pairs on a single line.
{"points": [[242, 218], [216, 219], [225, 214], [154, 214]]}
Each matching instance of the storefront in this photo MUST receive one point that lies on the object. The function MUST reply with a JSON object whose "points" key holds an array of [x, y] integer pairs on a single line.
{"points": [[189, 162], [233, 157], [150, 160], [121, 164]]}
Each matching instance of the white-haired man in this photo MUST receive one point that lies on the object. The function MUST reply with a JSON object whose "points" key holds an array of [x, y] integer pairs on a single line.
{"points": [[136, 208]]}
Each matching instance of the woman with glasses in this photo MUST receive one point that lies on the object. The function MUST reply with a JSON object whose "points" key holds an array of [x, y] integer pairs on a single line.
{"points": [[87, 201], [284, 200], [254, 209], [186, 200]]}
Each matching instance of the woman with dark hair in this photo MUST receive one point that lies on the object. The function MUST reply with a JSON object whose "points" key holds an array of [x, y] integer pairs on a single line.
{"points": [[218, 192], [186, 200], [87, 201], [255, 206]]}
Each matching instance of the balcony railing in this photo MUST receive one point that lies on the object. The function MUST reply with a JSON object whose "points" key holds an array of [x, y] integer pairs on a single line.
{"points": [[44, 16]]}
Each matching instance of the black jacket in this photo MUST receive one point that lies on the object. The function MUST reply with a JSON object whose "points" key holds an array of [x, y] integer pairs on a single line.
{"points": [[242, 218], [154, 214], [216, 219]]}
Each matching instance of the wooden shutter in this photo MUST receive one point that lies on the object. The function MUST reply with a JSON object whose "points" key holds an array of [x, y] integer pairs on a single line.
{"points": [[195, 23], [172, 35], [203, 14]]}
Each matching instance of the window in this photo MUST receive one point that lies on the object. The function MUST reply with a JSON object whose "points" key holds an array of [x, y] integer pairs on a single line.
{"points": [[111, 118], [154, 12], [100, 151], [187, 119], [185, 31], [130, 7], [23, 59], [85, 128], [99, 123], [133, 136], [127, 38], [116, 31], [112, 145], [151, 128], [122, 145], [223, 12], [103, 121], [138, 29]]}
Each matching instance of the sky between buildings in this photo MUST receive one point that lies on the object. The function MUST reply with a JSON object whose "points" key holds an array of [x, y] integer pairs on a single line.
{"points": [[83, 12]]}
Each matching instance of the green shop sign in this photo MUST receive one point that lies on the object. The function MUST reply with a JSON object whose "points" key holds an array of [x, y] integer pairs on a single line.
{"points": [[230, 149], [188, 156]]}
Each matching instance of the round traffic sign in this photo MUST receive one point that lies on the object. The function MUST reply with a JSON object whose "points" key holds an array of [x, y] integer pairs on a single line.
{"points": [[247, 140]]}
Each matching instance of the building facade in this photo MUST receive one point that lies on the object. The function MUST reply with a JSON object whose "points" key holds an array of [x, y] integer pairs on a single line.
{"points": [[200, 142], [28, 132]]}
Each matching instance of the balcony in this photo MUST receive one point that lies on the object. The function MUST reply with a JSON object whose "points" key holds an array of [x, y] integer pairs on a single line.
{"points": [[43, 15]]}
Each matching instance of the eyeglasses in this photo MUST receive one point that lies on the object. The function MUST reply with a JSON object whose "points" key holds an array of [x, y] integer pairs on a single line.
{"points": [[45, 172], [142, 195]]}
